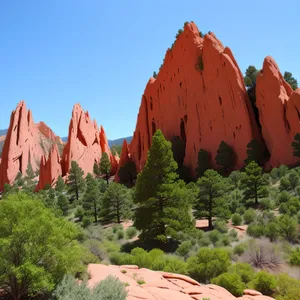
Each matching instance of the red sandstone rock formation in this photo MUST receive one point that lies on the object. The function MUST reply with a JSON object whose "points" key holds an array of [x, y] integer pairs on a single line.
{"points": [[48, 133], [50, 169], [125, 157], [203, 107], [114, 159], [85, 143], [279, 113], [163, 285], [21, 147]]}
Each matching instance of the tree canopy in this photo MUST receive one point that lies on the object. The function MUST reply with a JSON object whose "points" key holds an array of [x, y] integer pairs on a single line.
{"points": [[288, 77], [75, 180]]}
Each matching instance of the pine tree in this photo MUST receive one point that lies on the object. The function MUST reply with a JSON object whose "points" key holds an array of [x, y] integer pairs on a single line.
{"points": [[225, 156], [91, 198], [63, 203], [127, 173], [30, 183], [60, 184], [75, 180], [159, 211], [254, 182], [105, 166], [296, 145], [288, 77], [116, 203], [254, 152], [96, 169], [250, 76], [211, 203], [204, 162]]}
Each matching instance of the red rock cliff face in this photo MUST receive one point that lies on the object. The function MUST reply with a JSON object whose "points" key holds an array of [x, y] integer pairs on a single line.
{"points": [[203, 107], [279, 113], [21, 146], [50, 169], [85, 143], [48, 133]]}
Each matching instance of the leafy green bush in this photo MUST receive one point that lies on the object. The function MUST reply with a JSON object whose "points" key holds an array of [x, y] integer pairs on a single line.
{"points": [[287, 288], [264, 283], [221, 226], [120, 234], [207, 264], [86, 221], [239, 249], [249, 216], [231, 282], [214, 236], [236, 219], [256, 230], [295, 257], [175, 265], [244, 270], [131, 232], [110, 288], [272, 231], [184, 248]]}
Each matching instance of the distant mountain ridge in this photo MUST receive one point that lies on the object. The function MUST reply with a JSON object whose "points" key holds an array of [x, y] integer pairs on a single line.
{"points": [[3, 131]]}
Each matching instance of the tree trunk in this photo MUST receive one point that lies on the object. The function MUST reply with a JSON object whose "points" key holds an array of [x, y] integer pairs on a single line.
{"points": [[107, 177]]}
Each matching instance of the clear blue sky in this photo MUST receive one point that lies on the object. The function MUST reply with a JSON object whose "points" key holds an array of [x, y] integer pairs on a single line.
{"points": [[101, 53]]}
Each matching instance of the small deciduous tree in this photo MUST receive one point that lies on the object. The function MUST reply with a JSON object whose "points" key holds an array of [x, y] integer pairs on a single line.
{"points": [[254, 182], [225, 156], [203, 163], [75, 180], [116, 203]]}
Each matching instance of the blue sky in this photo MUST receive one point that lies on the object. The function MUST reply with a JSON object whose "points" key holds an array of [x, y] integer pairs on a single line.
{"points": [[55, 53]]}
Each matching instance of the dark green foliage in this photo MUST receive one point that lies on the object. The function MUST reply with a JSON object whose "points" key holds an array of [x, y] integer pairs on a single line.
{"points": [[291, 207], [116, 203], [207, 264], [256, 230], [154, 75], [249, 216], [295, 257], [232, 282], [75, 180], [244, 270], [288, 77], [29, 182], [287, 228], [105, 166], [250, 76], [178, 149], [180, 31], [225, 156], [79, 213], [290, 181], [128, 174], [131, 232], [254, 152], [235, 178], [63, 203], [272, 231], [60, 184], [211, 202], [37, 248], [203, 163], [296, 145], [162, 204], [91, 197], [254, 182]]}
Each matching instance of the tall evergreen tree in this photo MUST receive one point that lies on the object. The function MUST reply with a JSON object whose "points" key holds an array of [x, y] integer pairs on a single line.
{"points": [[204, 162], [288, 77], [296, 145], [60, 184], [225, 156], [105, 166], [116, 203], [127, 173], [91, 198], [250, 76], [63, 203], [211, 203], [30, 183], [254, 152], [235, 178], [159, 211], [96, 169], [254, 182], [75, 180]]}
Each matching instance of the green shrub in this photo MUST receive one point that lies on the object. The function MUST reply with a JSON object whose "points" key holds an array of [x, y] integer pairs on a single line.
{"points": [[117, 227], [239, 249], [86, 221], [207, 264], [233, 233], [214, 236], [175, 265], [244, 270], [131, 232], [283, 197], [117, 258], [241, 210], [110, 288], [184, 248], [236, 219], [256, 230], [221, 226], [264, 283], [231, 282], [141, 258], [79, 213], [205, 241], [272, 231], [249, 216], [120, 234], [295, 257], [287, 288], [225, 240]]}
